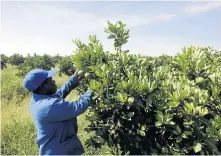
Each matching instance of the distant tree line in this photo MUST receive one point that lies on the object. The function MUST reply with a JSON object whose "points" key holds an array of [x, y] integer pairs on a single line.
{"points": [[26, 63]]}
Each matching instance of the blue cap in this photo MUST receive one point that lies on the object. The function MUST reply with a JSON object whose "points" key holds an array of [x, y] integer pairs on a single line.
{"points": [[35, 78]]}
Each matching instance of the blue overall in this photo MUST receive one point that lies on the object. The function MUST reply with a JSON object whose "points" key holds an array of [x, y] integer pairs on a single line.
{"points": [[55, 120]]}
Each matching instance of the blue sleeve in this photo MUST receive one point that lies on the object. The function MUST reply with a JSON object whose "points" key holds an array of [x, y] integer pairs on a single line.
{"points": [[63, 110], [67, 87]]}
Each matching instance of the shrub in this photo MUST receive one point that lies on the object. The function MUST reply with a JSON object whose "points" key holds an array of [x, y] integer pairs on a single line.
{"points": [[31, 62], [16, 59], [56, 59], [66, 66], [144, 105]]}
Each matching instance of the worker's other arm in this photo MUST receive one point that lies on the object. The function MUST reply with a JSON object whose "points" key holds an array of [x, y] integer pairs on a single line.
{"points": [[68, 87], [63, 110]]}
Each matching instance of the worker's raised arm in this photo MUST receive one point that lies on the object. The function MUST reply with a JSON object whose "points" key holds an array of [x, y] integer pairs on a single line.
{"points": [[62, 110], [68, 87]]}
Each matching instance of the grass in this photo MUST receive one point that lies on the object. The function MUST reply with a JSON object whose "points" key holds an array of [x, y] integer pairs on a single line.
{"points": [[18, 131]]}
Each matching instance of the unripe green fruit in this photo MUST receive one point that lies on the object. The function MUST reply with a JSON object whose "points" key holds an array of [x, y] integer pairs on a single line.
{"points": [[86, 75], [130, 100], [200, 80], [80, 72]]}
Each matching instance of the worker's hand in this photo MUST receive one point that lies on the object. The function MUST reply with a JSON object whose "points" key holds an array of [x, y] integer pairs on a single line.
{"points": [[78, 75]]}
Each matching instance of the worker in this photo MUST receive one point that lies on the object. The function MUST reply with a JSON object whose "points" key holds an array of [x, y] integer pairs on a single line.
{"points": [[55, 118]]}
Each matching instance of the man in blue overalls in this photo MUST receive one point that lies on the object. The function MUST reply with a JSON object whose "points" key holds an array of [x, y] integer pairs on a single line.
{"points": [[54, 117]]}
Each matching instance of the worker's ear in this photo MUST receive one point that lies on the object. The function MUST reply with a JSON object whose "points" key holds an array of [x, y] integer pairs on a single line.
{"points": [[46, 84], [43, 85]]}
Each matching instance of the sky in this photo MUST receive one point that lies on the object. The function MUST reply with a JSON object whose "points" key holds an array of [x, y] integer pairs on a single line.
{"points": [[156, 27]]}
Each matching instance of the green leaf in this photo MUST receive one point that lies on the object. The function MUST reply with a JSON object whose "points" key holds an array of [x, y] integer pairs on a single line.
{"points": [[172, 123], [101, 105], [122, 97], [168, 117], [124, 85], [106, 30], [143, 127], [157, 124], [189, 107], [125, 41], [187, 133], [99, 73], [142, 133], [121, 24], [174, 103], [175, 132], [111, 36], [203, 111], [159, 116], [197, 147], [213, 77], [178, 129]]}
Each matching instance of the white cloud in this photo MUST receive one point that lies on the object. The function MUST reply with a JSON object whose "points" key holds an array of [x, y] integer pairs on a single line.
{"points": [[169, 45], [87, 21], [196, 8], [50, 29], [42, 28], [134, 21]]}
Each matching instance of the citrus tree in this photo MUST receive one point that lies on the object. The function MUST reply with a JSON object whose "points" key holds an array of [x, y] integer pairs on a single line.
{"points": [[66, 66], [151, 105], [31, 62], [16, 59]]}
